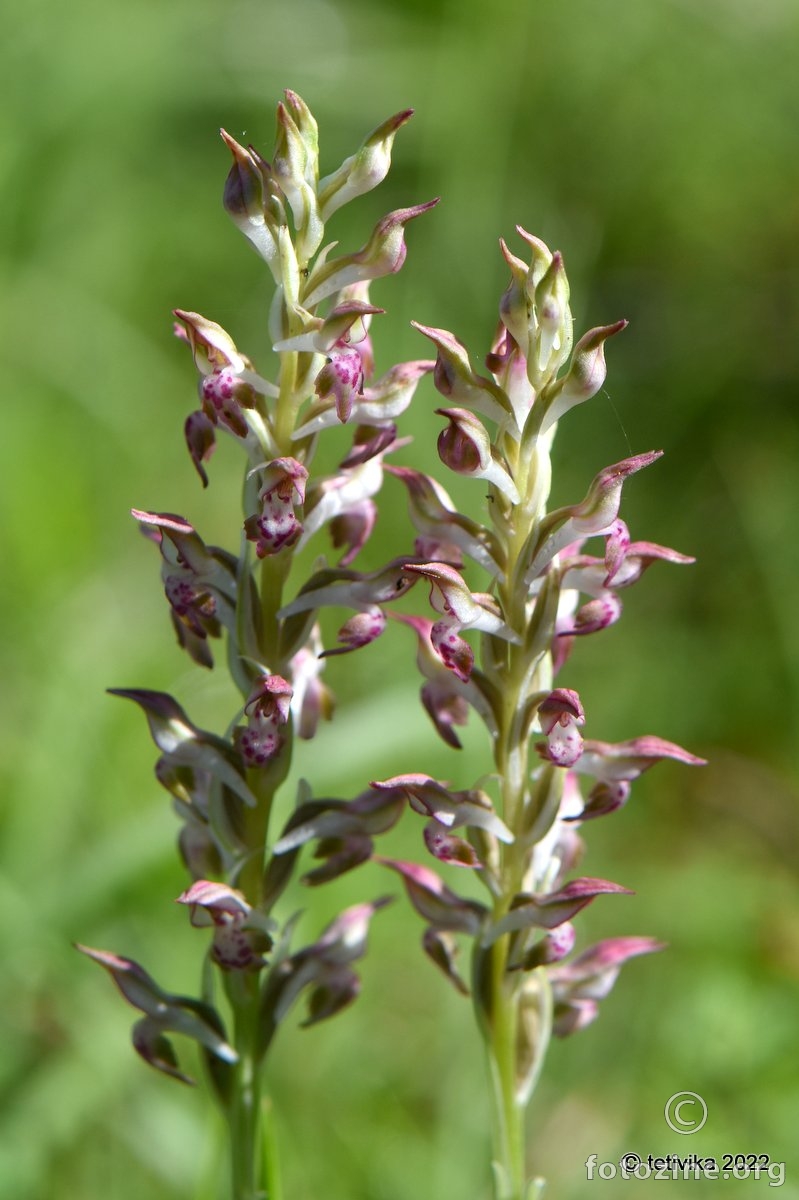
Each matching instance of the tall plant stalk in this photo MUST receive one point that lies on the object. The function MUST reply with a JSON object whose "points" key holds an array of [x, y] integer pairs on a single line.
{"points": [[542, 593]]}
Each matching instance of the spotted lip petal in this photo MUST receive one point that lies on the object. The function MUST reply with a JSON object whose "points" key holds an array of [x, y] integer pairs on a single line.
{"points": [[386, 399], [267, 711], [342, 378], [460, 609], [445, 697], [277, 526], [560, 715]]}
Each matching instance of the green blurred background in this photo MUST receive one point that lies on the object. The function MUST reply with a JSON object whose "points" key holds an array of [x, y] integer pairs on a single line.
{"points": [[654, 143]]}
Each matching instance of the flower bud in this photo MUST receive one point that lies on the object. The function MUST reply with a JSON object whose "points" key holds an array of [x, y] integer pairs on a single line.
{"points": [[455, 378], [383, 254], [363, 170], [447, 848], [550, 333], [540, 260], [465, 447], [352, 529], [442, 949], [595, 514], [295, 167], [584, 378], [513, 306], [251, 198], [604, 610], [308, 131], [360, 630]]}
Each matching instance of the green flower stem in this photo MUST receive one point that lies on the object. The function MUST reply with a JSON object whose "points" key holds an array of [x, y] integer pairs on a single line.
{"points": [[271, 1163], [287, 402], [275, 568], [517, 672], [254, 1172], [245, 1114], [508, 1117]]}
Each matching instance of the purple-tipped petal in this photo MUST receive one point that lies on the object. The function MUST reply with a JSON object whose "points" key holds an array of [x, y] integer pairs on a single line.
{"points": [[433, 900], [383, 254], [593, 973], [593, 515], [612, 762], [448, 808], [550, 909], [176, 1014]]}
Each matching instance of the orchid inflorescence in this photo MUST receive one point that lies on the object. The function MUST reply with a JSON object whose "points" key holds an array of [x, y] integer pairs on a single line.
{"points": [[541, 590]]}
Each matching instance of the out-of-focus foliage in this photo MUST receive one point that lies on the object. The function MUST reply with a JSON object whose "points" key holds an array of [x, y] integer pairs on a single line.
{"points": [[655, 143]]}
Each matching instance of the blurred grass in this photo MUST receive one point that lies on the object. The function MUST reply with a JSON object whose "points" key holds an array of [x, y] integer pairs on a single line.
{"points": [[656, 145]]}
